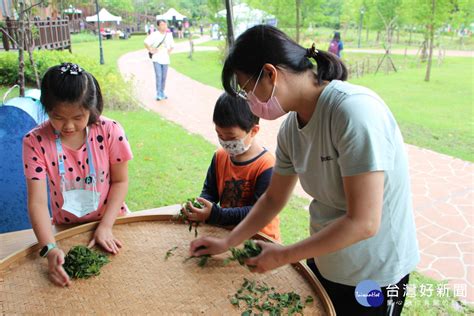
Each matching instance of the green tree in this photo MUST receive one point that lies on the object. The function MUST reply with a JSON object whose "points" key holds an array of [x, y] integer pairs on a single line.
{"points": [[330, 13], [431, 15], [461, 15], [113, 5]]}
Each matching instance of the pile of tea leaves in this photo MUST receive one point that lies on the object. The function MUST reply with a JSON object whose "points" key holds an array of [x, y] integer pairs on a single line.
{"points": [[251, 249], [183, 218], [82, 262], [258, 298]]}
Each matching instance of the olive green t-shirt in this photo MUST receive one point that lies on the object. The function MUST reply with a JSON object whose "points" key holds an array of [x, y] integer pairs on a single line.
{"points": [[351, 132]]}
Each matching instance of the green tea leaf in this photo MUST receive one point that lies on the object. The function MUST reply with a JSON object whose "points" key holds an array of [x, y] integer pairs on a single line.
{"points": [[251, 249], [169, 253], [234, 301], [181, 216]]}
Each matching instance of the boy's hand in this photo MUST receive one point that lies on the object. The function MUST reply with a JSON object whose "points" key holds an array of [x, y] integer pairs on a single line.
{"points": [[198, 214], [57, 275], [104, 237]]}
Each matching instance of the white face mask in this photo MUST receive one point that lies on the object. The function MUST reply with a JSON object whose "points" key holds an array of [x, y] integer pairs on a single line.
{"points": [[80, 202], [235, 147]]}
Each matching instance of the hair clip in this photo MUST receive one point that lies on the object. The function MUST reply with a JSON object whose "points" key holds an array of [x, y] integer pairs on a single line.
{"points": [[311, 52], [70, 68]]}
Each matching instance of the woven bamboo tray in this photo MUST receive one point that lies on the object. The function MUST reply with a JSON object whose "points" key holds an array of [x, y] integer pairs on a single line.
{"points": [[140, 281]]}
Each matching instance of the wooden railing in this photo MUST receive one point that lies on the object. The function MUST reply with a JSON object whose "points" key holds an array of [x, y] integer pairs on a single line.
{"points": [[46, 34]]}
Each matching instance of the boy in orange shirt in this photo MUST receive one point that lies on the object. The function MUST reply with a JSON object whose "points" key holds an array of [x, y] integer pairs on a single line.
{"points": [[240, 171]]}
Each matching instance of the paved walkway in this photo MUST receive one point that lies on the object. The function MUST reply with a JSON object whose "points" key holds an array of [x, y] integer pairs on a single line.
{"points": [[442, 186]]}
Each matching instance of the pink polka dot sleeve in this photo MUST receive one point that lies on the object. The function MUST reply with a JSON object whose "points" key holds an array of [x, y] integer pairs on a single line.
{"points": [[34, 165], [119, 147]]}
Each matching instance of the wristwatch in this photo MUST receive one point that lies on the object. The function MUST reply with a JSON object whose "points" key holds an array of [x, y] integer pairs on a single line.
{"points": [[46, 249]]}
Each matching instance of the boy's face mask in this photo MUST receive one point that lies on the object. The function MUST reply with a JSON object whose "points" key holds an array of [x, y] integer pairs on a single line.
{"points": [[235, 147]]}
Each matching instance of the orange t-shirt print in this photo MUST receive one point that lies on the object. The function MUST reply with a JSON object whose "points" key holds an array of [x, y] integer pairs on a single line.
{"points": [[236, 185]]}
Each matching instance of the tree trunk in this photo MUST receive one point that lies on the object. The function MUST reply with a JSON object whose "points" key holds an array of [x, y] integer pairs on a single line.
{"points": [[377, 39], [298, 8], [31, 46], [21, 46], [424, 48], [431, 43]]}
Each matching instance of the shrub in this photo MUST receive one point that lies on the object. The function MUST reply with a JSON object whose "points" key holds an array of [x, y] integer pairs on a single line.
{"points": [[117, 93]]}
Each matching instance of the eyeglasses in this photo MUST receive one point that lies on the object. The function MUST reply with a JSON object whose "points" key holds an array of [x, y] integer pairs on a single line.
{"points": [[241, 93]]}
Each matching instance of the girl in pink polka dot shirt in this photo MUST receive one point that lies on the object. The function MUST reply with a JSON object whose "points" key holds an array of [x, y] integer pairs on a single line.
{"points": [[81, 157]]}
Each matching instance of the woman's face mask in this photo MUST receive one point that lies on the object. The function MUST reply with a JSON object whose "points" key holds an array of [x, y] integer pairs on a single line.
{"points": [[235, 147], [269, 110]]}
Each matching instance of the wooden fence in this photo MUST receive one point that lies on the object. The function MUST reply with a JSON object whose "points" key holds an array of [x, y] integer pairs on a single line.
{"points": [[46, 34]]}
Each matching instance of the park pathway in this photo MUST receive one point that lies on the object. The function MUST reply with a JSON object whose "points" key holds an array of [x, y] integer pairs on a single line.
{"points": [[442, 186]]}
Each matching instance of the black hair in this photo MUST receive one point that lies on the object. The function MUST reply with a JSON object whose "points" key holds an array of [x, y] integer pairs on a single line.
{"points": [[158, 22], [263, 44], [71, 84], [233, 111], [337, 36]]}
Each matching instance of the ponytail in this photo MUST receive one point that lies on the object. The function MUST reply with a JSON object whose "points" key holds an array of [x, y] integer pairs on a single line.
{"points": [[329, 66]]}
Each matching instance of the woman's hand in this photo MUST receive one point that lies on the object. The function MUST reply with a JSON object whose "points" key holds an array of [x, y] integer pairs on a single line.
{"points": [[57, 275], [271, 257], [198, 214], [103, 236], [208, 246]]}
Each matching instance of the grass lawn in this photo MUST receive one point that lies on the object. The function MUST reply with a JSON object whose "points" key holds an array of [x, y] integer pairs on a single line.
{"points": [[205, 67], [437, 115], [112, 49]]}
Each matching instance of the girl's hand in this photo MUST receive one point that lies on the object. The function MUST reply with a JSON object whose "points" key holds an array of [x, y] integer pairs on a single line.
{"points": [[198, 214], [57, 275], [208, 246], [103, 236], [271, 257]]}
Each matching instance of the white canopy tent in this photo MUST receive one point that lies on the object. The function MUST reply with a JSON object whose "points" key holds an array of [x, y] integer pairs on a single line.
{"points": [[104, 16], [73, 10], [245, 17], [168, 15]]}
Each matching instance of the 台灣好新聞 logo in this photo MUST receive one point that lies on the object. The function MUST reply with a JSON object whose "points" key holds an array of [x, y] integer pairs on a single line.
{"points": [[368, 293]]}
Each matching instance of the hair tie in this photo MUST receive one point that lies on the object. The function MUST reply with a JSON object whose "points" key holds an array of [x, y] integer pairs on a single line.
{"points": [[311, 52], [70, 68]]}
